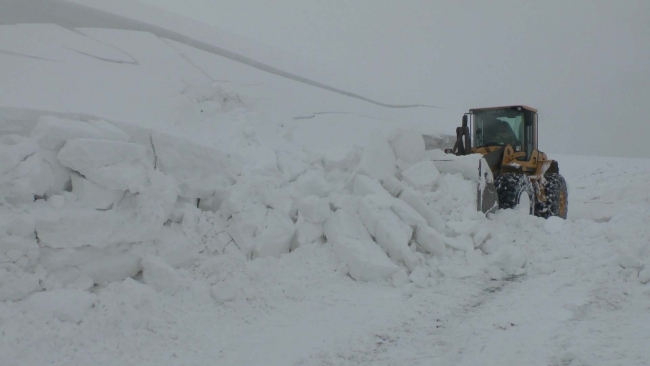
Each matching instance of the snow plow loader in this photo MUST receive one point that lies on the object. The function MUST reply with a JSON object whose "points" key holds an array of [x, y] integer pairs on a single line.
{"points": [[513, 173]]}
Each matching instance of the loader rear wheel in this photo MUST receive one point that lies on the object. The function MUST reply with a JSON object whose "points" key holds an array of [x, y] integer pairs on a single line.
{"points": [[515, 190], [557, 197]]}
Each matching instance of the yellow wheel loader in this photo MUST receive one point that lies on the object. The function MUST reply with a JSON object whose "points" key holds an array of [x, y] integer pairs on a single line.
{"points": [[512, 171]]}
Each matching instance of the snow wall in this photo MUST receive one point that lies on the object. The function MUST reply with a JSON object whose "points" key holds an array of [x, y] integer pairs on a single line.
{"points": [[84, 201]]}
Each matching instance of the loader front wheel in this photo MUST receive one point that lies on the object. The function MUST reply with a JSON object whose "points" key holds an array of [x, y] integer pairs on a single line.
{"points": [[515, 191], [557, 197]]}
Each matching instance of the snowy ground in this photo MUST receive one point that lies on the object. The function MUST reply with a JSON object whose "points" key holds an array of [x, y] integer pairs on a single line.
{"points": [[324, 236]]}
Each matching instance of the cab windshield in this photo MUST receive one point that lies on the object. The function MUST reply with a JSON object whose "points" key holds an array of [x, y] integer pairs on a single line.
{"points": [[498, 127]]}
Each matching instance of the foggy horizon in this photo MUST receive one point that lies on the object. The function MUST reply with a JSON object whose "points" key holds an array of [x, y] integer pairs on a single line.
{"points": [[583, 65]]}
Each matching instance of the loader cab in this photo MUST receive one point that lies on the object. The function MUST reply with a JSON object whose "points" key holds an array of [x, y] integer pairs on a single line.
{"points": [[493, 128]]}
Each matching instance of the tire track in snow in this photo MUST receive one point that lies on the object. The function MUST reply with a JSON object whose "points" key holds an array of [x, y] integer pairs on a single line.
{"points": [[71, 16]]}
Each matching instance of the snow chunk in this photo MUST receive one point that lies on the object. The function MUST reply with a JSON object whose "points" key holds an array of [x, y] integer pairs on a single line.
{"points": [[421, 176], [407, 214], [52, 132], [378, 159], [461, 242], [66, 305], [16, 283], [198, 169], [313, 183], [431, 240], [113, 165], [23, 172], [92, 195], [308, 233], [392, 185], [354, 246], [276, 236], [392, 234], [161, 276], [433, 218], [408, 145], [137, 218], [112, 263], [364, 185], [314, 210]]}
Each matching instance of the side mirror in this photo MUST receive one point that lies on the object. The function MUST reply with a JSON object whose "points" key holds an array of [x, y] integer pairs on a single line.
{"points": [[464, 120]]}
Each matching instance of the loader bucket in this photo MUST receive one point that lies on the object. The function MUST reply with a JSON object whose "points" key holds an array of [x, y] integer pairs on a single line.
{"points": [[487, 200]]}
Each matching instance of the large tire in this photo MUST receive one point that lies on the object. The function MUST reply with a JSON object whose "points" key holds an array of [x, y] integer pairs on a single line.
{"points": [[557, 197], [511, 188]]}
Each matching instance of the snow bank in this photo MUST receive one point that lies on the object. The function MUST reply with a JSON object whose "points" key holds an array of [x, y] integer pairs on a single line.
{"points": [[114, 200]]}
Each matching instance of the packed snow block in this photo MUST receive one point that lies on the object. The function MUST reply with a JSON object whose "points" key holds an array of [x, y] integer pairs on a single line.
{"points": [[314, 210], [18, 250], [461, 242], [344, 201], [431, 240], [243, 226], [161, 276], [52, 132], [364, 185], [67, 305], [421, 176], [407, 145], [275, 237], [23, 173], [138, 135], [394, 237], [353, 246], [139, 217], [174, 248], [378, 159], [113, 263], [261, 160], [307, 233], [17, 223], [281, 203], [313, 183], [61, 181], [413, 199], [16, 283], [392, 185], [92, 195], [408, 214], [113, 165], [13, 151], [371, 208], [345, 224], [290, 166], [198, 169]]}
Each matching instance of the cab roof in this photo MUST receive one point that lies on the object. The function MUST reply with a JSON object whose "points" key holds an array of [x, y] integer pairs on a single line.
{"points": [[505, 107]]}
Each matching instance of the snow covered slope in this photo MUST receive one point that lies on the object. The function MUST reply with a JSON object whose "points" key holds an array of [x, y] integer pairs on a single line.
{"points": [[160, 204]]}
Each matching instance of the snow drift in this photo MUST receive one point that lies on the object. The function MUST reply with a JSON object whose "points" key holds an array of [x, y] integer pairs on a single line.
{"points": [[89, 200]]}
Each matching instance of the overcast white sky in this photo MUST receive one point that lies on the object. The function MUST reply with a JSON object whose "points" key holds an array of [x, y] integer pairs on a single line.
{"points": [[585, 64]]}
